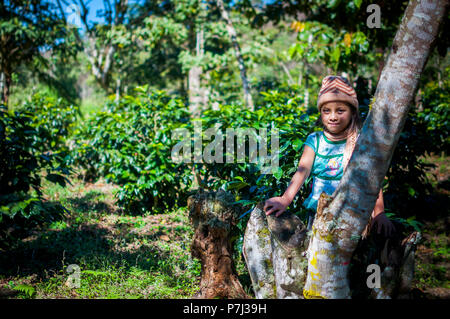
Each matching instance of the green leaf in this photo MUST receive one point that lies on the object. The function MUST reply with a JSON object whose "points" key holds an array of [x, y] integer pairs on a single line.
{"points": [[245, 202], [333, 3], [335, 54], [278, 173], [260, 114], [236, 185], [29, 291], [297, 144]]}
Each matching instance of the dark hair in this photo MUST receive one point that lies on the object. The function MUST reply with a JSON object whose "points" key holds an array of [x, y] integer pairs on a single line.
{"points": [[355, 123]]}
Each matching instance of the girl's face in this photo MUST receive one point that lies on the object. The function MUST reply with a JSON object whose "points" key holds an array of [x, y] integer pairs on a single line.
{"points": [[336, 116]]}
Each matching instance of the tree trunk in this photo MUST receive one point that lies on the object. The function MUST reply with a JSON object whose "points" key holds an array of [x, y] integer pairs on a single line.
{"points": [[274, 250], [237, 50], [195, 92], [276, 254], [341, 218], [2, 86], [5, 83], [100, 70], [195, 73], [198, 95], [118, 83], [101, 60], [214, 216], [288, 74]]}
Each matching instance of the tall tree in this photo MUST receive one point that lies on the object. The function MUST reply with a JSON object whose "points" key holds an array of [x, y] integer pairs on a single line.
{"points": [[342, 217], [237, 50], [197, 92], [28, 28], [98, 43]]}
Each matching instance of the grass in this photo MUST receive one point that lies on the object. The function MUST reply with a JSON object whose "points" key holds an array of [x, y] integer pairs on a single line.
{"points": [[92, 104], [440, 174], [433, 255], [118, 256], [432, 275]]}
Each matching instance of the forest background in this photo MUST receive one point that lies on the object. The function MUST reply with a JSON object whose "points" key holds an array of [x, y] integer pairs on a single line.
{"points": [[93, 91]]}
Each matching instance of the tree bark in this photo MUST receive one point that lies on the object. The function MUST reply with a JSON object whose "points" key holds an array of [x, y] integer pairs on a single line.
{"points": [[341, 218], [288, 74], [195, 96], [118, 83], [274, 250], [196, 92], [100, 70], [237, 50], [214, 216], [5, 87]]}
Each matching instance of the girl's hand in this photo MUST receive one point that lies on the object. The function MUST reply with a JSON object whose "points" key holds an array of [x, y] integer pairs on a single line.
{"points": [[277, 205], [383, 225]]}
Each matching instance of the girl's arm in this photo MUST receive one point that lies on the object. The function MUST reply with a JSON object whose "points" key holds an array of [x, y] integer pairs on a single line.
{"points": [[279, 204], [302, 173]]}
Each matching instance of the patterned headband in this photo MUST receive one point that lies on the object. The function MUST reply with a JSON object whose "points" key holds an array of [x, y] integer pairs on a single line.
{"points": [[336, 88], [336, 83]]}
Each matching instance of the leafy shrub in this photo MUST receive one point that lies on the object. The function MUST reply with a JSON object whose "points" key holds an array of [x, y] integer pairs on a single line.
{"points": [[53, 119], [426, 129], [281, 111], [436, 114], [22, 162], [130, 143]]}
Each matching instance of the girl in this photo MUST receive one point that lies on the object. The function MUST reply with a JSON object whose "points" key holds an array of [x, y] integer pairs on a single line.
{"points": [[326, 153]]}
